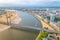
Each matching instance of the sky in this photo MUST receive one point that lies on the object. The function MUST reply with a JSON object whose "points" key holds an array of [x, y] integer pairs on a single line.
{"points": [[30, 2]]}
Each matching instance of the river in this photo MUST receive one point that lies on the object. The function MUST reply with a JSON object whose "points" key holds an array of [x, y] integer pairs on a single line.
{"points": [[22, 34]]}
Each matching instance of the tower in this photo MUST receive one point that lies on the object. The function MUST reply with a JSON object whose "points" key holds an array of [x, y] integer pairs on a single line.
{"points": [[52, 16]]}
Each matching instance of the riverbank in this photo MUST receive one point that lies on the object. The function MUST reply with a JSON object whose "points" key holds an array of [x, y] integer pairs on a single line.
{"points": [[13, 18], [29, 22], [3, 27], [17, 19]]}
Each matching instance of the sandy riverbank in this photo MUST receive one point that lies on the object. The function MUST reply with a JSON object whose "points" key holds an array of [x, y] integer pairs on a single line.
{"points": [[14, 18]]}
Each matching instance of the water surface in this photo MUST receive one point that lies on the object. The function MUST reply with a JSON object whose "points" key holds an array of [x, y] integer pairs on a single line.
{"points": [[21, 34]]}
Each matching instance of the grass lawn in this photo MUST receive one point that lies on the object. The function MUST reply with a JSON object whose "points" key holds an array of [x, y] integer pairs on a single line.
{"points": [[42, 35]]}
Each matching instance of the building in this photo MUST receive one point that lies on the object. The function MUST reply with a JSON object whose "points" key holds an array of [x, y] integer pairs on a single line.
{"points": [[52, 17], [45, 38]]}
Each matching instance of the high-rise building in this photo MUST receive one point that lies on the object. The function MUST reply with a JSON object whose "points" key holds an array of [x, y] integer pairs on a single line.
{"points": [[52, 17]]}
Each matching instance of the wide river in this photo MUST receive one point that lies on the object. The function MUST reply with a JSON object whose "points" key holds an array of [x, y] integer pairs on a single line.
{"points": [[22, 34]]}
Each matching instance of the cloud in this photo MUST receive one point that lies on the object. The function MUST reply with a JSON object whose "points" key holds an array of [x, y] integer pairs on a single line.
{"points": [[29, 2], [23, 1], [19, 1]]}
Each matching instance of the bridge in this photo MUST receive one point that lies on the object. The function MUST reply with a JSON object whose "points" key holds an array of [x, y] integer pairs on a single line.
{"points": [[51, 27], [44, 24], [30, 27]]}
